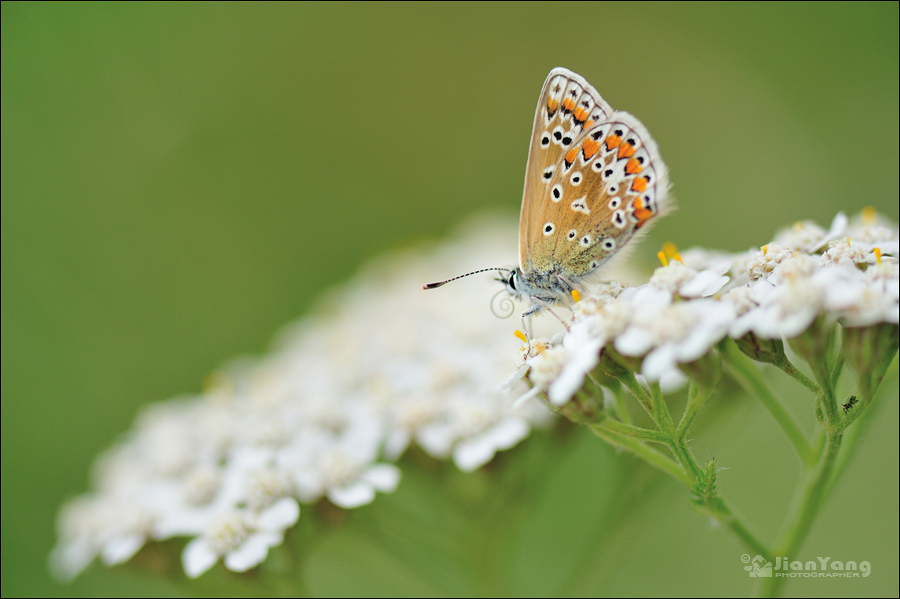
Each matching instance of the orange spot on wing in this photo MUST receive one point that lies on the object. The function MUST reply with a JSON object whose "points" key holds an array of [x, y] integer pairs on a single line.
{"points": [[587, 125], [613, 141], [568, 104], [590, 148], [580, 114], [638, 203], [632, 167], [552, 105], [642, 214], [626, 150], [639, 184], [571, 154]]}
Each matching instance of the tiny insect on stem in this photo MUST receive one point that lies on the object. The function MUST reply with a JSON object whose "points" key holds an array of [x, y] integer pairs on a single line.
{"points": [[850, 403]]}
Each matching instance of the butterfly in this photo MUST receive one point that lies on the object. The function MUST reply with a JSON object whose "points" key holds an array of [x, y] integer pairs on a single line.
{"points": [[593, 181]]}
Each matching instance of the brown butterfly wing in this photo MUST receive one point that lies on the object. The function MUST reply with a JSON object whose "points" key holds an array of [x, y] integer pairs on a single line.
{"points": [[609, 185], [567, 109]]}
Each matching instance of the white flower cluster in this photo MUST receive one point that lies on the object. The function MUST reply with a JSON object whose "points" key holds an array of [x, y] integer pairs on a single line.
{"points": [[848, 273], [382, 365]]}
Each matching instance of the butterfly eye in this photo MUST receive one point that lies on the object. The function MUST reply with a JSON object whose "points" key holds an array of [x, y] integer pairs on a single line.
{"points": [[512, 281], [549, 228]]}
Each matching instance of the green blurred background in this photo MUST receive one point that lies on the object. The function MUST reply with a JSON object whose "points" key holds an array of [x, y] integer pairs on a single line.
{"points": [[180, 180]]}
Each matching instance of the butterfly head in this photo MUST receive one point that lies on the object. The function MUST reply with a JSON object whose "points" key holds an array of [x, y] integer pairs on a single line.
{"points": [[511, 282], [540, 289]]}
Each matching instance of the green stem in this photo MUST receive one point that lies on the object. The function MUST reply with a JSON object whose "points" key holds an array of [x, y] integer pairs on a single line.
{"points": [[648, 454], [818, 446], [800, 521], [836, 370], [817, 354], [851, 438], [638, 392], [749, 379], [697, 397], [636, 432], [853, 434], [869, 395], [660, 414], [626, 377], [676, 443], [679, 448], [691, 408], [746, 537], [621, 406], [788, 367], [689, 472], [828, 400], [720, 511]]}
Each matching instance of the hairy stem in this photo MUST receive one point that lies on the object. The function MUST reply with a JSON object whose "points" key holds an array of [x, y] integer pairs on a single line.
{"points": [[691, 408], [638, 448], [626, 377], [788, 368], [719, 510], [660, 414], [641, 434]]}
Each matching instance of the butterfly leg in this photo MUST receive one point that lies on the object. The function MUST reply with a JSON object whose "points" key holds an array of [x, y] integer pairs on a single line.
{"points": [[540, 304], [526, 331]]}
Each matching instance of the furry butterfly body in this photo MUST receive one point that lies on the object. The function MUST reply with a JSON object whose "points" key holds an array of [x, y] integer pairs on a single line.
{"points": [[593, 181]]}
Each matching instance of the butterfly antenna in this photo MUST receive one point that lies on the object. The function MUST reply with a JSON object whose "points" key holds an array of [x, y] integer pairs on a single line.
{"points": [[436, 285]]}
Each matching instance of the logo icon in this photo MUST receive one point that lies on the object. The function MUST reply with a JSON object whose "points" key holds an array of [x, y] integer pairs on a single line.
{"points": [[758, 567]]}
